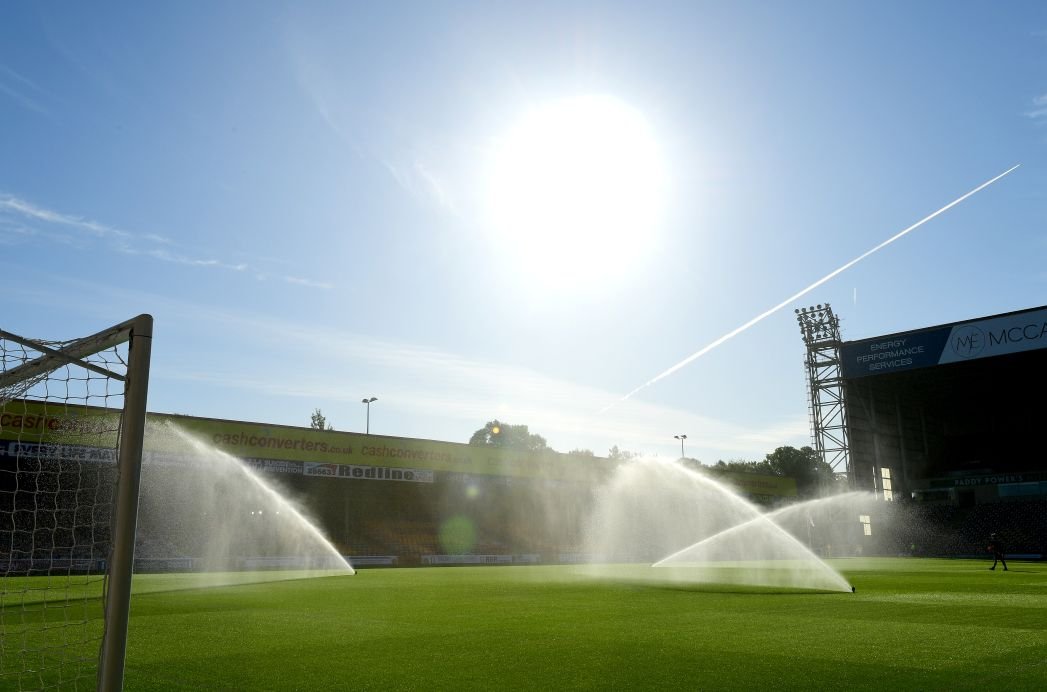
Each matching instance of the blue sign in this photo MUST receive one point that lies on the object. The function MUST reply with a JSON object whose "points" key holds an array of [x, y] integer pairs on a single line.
{"points": [[893, 353], [982, 338]]}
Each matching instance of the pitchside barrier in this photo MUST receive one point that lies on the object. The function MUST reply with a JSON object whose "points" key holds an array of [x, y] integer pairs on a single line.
{"points": [[156, 565], [72, 421], [359, 561], [528, 559]]}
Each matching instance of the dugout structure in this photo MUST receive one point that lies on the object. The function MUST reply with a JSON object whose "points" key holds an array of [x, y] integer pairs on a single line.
{"points": [[952, 413]]}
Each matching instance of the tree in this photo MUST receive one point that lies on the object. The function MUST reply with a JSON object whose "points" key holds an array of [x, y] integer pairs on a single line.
{"points": [[319, 421], [507, 436], [742, 466], [691, 463], [804, 464], [615, 454]]}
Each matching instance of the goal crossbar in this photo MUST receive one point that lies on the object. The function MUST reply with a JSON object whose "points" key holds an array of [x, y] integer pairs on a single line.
{"points": [[71, 353]]}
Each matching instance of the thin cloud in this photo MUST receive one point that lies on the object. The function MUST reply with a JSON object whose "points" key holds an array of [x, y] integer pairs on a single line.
{"points": [[175, 258], [18, 235], [423, 381], [437, 188], [29, 210], [299, 281], [419, 181], [15, 85], [344, 119], [1039, 110], [324, 90], [12, 234], [24, 100], [7, 73], [124, 242], [324, 364], [465, 391]]}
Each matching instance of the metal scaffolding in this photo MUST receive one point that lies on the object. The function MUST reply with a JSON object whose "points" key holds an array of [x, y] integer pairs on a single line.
{"points": [[820, 329]]}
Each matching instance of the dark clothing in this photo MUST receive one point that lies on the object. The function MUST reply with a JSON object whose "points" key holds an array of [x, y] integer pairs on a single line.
{"points": [[996, 548]]}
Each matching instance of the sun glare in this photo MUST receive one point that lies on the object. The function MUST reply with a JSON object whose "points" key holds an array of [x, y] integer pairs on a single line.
{"points": [[576, 191]]}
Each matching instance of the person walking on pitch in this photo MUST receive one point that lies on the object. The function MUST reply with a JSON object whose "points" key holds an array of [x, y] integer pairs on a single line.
{"points": [[996, 548]]}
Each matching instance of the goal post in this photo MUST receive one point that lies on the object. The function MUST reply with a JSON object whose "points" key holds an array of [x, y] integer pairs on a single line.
{"points": [[72, 424], [129, 475]]}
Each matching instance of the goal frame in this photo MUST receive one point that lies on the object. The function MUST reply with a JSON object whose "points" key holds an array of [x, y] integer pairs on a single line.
{"points": [[137, 333]]}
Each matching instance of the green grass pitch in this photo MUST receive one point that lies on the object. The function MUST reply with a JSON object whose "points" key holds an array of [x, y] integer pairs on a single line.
{"points": [[912, 624]]}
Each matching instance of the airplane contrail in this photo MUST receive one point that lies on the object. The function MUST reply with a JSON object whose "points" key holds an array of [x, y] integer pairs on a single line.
{"points": [[767, 313]]}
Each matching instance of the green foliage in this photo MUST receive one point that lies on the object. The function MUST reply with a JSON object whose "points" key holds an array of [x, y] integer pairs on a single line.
{"points": [[742, 466], [804, 465], [508, 436], [319, 421]]}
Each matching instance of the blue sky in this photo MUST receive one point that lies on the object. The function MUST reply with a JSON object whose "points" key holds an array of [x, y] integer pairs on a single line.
{"points": [[301, 195]]}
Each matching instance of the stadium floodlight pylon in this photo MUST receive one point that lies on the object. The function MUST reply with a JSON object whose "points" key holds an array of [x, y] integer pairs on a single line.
{"points": [[820, 329], [68, 513]]}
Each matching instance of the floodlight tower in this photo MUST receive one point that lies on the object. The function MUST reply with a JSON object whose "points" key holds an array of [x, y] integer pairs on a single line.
{"points": [[367, 402], [820, 329]]}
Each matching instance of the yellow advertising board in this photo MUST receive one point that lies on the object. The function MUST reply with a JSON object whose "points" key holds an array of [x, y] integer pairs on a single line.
{"points": [[76, 432], [256, 440], [36, 423], [29, 422]]}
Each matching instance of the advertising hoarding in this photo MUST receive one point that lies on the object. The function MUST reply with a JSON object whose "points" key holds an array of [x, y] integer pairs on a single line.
{"points": [[81, 433], [955, 343]]}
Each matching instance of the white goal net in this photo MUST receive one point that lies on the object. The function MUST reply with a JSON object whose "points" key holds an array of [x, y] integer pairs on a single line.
{"points": [[72, 418]]}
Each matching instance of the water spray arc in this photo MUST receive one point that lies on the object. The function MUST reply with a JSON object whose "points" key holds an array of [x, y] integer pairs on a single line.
{"points": [[786, 527], [696, 530], [229, 516]]}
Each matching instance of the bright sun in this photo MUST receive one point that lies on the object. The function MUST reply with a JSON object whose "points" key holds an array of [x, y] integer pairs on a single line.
{"points": [[576, 191]]}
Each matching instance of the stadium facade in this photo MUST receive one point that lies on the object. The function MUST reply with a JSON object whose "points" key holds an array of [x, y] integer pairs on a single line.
{"points": [[951, 418], [952, 412], [380, 499]]}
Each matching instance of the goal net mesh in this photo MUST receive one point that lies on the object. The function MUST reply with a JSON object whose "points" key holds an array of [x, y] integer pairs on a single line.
{"points": [[60, 419]]}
